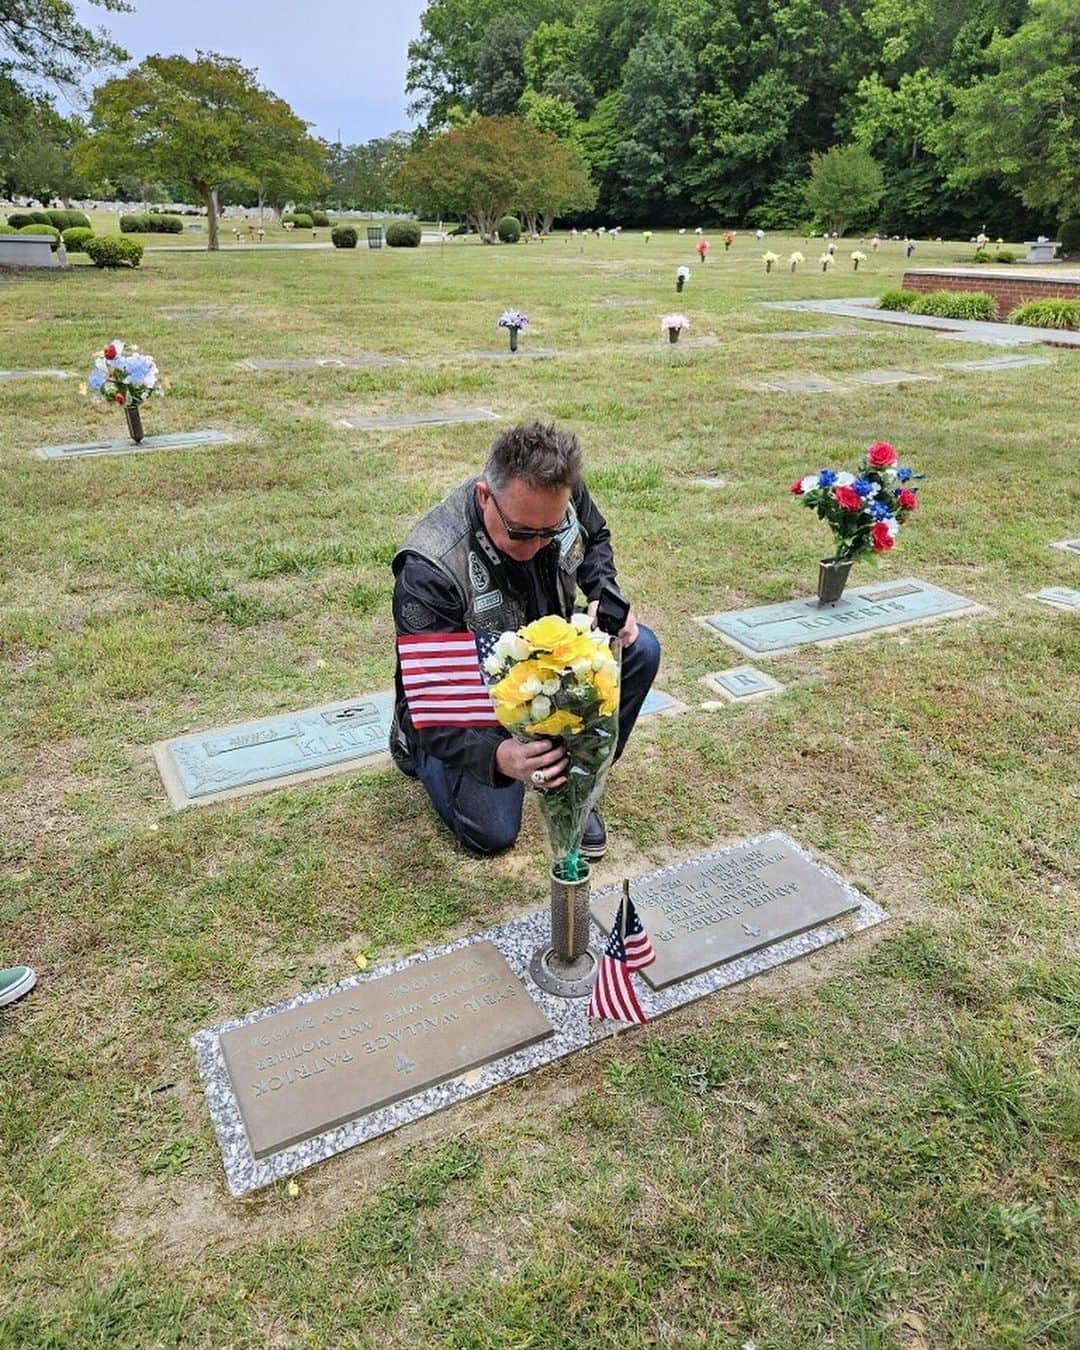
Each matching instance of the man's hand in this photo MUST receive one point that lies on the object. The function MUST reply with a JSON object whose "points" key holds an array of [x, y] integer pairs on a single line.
{"points": [[627, 634], [521, 759]]}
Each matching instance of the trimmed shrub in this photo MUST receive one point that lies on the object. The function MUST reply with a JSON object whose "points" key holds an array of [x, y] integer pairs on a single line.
{"points": [[981, 256], [403, 234], [1005, 255], [509, 229], [343, 236], [300, 219], [75, 237], [50, 230], [150, 224], [957, 305], [18, 219], [67, 220], [38, 218], [1069, 236], [113, 250], [897, 299], [1048, 314], [320, 218]]}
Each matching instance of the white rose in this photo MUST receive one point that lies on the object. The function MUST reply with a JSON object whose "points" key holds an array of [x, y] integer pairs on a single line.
{"points": [[539, 709], [582, 622], [844, 479], [531, 686], [493, 665], [551, 686], [581, 667]]}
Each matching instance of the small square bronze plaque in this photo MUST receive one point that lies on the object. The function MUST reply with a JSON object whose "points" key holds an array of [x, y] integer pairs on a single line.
{"points": [[301, 1072]]}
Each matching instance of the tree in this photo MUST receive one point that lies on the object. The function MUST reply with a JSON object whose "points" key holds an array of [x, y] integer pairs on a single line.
{"points": [[846, 183], [1021, 124], [479, 172], [657, 108], [500, 76], [200, 125], [44, 40]]}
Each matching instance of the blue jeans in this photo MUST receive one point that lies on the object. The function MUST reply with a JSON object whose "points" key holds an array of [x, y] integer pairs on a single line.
{"points": [[487, 820]]}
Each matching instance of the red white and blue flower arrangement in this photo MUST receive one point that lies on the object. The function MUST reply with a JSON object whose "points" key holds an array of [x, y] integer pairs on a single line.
{"points": [[864, 510], [127, 377]]}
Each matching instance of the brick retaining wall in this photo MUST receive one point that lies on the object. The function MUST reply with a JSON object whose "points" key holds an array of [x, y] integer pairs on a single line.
{"points": [[1009, 289]]}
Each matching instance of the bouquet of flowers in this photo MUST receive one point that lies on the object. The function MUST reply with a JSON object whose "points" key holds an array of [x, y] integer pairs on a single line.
{"points": [[768, 259], [673, 324], [729, 239], [124, 376], [516, 322], [864, 510], [857, 257], [826, 261], [560, 680], [682, 276], [795, 259]]}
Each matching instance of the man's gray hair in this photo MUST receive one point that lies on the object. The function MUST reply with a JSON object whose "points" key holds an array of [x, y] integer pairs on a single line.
{"points": [[542, 456]]}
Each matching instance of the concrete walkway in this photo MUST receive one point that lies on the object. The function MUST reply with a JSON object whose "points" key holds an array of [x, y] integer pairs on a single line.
{"points": [[960, 330]]}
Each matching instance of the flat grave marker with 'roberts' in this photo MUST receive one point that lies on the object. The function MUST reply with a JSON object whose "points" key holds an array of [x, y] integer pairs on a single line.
{"points": [[274, 752], [174, 440], [769, 629]]}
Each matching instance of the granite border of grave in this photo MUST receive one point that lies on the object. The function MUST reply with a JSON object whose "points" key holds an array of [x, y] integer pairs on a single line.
{"points": [[163, 753], [772, 686], [969, 609], [171, 440], [1069, 546], [517, 941], [1058, 597]]}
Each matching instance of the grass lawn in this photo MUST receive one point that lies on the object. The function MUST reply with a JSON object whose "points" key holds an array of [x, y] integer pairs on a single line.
{"points": [[874, 1148]]}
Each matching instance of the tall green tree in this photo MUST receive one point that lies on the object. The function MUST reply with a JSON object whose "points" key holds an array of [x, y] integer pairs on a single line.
{"points": [[845, 185], [1021, 124], [201, 124], [43, 40], [656, 109]]}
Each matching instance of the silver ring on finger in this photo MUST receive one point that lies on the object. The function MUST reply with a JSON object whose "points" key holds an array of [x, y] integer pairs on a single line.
{"points": [[539, 777]]}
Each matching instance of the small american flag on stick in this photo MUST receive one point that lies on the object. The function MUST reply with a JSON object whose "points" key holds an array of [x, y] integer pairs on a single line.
{"points": [[444, 685], [628, 949]]}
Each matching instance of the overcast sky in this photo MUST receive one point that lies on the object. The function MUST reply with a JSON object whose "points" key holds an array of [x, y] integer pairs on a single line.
{"points": [[340, 65]]}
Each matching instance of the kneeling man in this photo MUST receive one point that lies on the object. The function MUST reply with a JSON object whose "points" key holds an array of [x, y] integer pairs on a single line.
{"points": [[505, 548]]}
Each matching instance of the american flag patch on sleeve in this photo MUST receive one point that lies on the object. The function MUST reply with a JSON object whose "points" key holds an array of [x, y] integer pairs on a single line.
{"points": [[444, 685]]}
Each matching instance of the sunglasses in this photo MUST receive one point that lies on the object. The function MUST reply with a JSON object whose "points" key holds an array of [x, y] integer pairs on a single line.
{"points": [[520, 534]]}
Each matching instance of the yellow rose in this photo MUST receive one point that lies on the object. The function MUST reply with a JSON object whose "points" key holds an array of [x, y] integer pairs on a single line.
{"points": [[561, 723], [520, 685], [544, 634], [607, 686]]}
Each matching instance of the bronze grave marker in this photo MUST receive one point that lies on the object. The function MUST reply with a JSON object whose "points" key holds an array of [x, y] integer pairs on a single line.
{"points": [[301, 1072], [712, 909]]}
